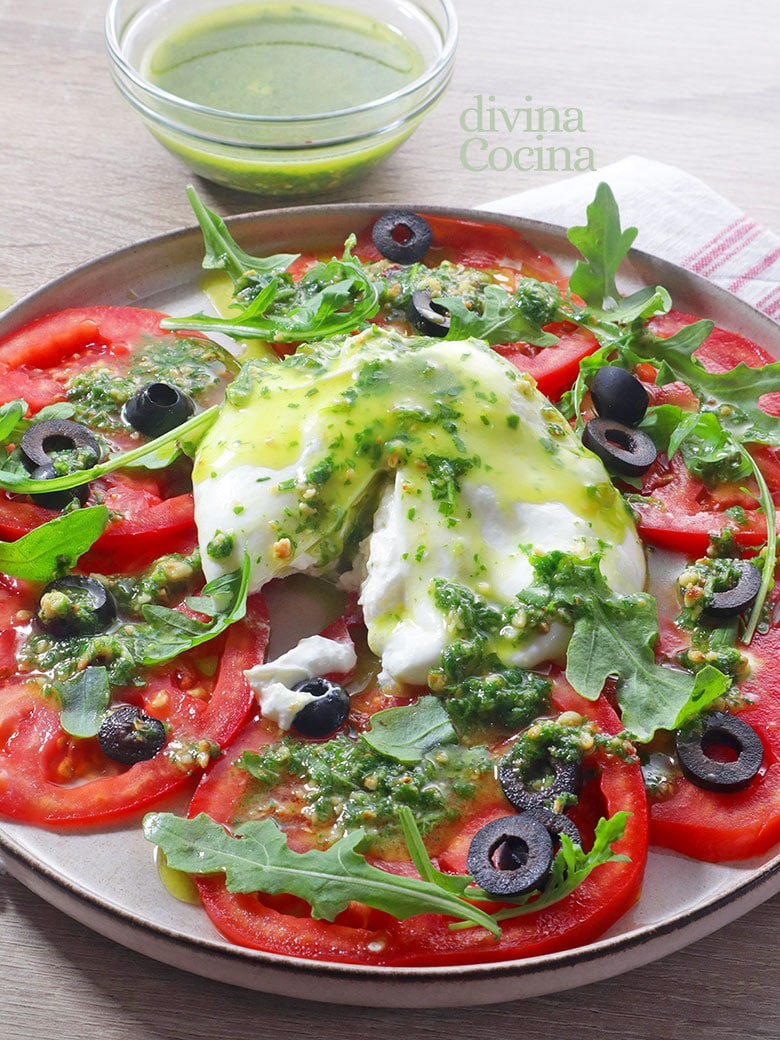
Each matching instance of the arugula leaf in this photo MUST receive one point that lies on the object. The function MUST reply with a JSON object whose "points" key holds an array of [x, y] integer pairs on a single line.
{"points": [[455, 883], [257, 859], [84, 699], [603, 245], [733, 395], [11, 415], [14, 477], [501, 320], [54, 547], [170, 632], [615, 635], [572, 865], [770, 552], [224, 253], [708, 450], [406, 733], [331, 299]]}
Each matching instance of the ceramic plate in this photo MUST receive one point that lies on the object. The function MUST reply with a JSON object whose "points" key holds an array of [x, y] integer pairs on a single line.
{"points": [[108, 879]]}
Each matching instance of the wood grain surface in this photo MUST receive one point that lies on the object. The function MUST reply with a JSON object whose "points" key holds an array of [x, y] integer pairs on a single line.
{"points": [[683, 81]]}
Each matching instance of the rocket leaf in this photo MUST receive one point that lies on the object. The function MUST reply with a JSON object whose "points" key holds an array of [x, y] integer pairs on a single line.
{"points": [[256, 858]]}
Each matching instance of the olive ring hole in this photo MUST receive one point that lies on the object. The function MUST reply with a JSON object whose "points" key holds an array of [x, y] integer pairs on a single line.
{"points": [[509, 853]]}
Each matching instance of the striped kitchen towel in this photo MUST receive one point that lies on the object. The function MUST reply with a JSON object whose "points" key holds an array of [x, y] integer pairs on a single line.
{"points": [[679, 218]]}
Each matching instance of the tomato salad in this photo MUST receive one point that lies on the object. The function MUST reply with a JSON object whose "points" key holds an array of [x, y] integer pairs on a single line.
{"points": [[374, 795]]}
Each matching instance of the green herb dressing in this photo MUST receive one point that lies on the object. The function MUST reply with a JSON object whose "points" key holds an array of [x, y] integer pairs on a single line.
{"points": [[283, 60], [468, 451]]}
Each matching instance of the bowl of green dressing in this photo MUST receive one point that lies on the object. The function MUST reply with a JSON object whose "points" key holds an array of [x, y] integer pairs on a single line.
{"points": [[276, 97]]}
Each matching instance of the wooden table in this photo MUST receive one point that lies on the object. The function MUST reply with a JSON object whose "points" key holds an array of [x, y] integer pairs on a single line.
{"points": [[693, 84]]}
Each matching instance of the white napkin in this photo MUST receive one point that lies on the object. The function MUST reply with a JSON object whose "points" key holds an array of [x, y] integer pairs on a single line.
{"points": [[679, 218]]}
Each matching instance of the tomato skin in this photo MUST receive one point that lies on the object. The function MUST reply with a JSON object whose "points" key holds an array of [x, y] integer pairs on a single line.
{"points": [[367, 937], [150, 514], [475, 244], [716, 827], [51, 340], [721, 350], [143, 525], [553, 368], [684, 513], [39, 763]]}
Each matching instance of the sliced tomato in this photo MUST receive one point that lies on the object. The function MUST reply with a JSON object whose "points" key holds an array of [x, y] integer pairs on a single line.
{"points": [[683, 513], [152, 513], [52, 779], [476, 244], [143, 525], [365, 936], [554, 368], [680, 511], [55, 339], [716, 826], [721, 350]]}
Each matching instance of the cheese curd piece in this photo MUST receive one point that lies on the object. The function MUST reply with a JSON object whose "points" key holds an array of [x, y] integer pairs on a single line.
{"points": [[272, 682], [457, 466]]}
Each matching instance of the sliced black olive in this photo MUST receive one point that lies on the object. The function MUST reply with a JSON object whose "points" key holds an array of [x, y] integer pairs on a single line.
{"points": [[323, 716], [621, 449], [564, 778], [511, 856], [427, 317], [51, 435], [75, 605], [128, 736], [733, 601], [619, 395], [157, 408], [556, 823], [402, 237], [57, 499], [726, 731]]}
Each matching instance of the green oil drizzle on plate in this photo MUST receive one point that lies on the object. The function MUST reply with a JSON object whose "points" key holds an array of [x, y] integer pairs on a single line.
{"points": [[180, 885]]}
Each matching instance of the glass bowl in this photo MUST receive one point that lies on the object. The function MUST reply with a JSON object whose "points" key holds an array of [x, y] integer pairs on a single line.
{"points": [[301, 97]]}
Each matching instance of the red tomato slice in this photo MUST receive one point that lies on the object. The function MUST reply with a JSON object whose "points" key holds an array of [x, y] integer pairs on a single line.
{"points": [[721, 350], [282, 926], [716, 827], [476, 244], [151, 512], [554, 368], [51, 779], [684, 513]]}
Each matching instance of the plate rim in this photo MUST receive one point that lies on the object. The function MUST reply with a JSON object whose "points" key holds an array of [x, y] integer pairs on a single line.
{"points": [[546, 970]]}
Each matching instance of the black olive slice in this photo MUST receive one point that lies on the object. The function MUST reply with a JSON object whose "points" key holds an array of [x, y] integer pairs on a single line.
{"points": [[427, 317], [621, 449], [75, 605], [128, 736], [556, 823], [57, 499], [720, 730], [733, 601], [42, 438], [511, 856], [158, 408], [565, 778], [327, 713], [402, 237], [619, 395]]}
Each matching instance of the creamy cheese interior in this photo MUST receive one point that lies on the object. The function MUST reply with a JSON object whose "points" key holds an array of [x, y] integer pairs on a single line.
{"points": [[273, 683], [408, 460]]}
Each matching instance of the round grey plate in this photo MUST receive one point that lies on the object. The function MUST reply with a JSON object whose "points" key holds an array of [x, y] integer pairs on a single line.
{"points": [[108, 880]]}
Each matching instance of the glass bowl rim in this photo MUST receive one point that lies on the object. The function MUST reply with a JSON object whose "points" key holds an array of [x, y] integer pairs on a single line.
{"points": [[433, 72]]}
